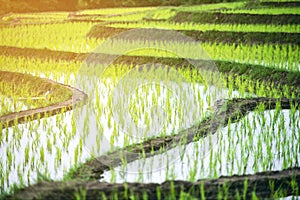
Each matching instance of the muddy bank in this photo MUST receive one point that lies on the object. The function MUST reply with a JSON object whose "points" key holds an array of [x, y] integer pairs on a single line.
{"points": [[222, 18], [76, 97], [101, 31], [230, 187]]}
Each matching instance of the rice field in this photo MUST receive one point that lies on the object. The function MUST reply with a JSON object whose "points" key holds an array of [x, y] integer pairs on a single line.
{"points": [[151, 103]]}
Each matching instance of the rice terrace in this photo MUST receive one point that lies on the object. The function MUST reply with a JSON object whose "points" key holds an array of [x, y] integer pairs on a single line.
{"points": [[150, 99]]}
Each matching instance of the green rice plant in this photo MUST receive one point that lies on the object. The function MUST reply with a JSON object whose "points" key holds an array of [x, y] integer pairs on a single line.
{"points": [[158, 13], [295, 187], [33, 143], [80, 194], [42, 155], [111, 11], [41, 15], [34, 36], [169, 25], [245, 189], [158, 193], [260, 148], [202, 191], [265, 11], [272, 56], [207, 7], [54, 139], [27, 149], [49, 146], [254, 197]]}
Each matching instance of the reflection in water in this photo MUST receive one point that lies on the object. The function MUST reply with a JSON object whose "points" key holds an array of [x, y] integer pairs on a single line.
{"points": [[263, 141], [49, 147]]}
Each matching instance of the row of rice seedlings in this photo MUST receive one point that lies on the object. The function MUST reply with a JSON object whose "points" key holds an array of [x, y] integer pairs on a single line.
{"points": [[61, 36], [120, 11], [28, 18], [49, 146], [58, 70], [120, 113], [66, 72], [288, 28], [280, 0], [120, 18], [261, 91], [279, 56], [135, 16], [10, 105], [116, 11], [46, 148], [249, 88], [136, 108], [162, 13], [270, 55], [41, 15], [159, 13], [206, 7], [128, 14], [266, 11], [262, 141], [72, 37], [39, 21], [15, 99], [141, 98], [223, 192]]}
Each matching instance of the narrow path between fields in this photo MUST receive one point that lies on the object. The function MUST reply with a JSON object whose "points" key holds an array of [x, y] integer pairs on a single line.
{"points": [[14, 118]]}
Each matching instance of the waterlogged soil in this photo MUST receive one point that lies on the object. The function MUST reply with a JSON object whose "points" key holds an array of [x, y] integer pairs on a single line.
{"points": [[225, 110], [222, 18]]}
